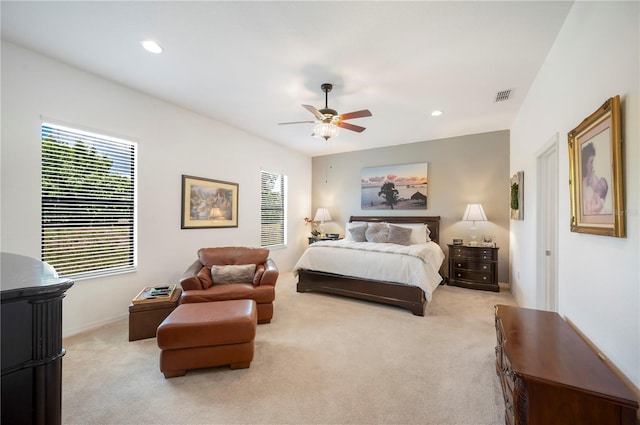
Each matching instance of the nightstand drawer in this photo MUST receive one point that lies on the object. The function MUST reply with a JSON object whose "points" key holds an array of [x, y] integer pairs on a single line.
{"points": [[472, 265], [473, 276], [485, 254]]}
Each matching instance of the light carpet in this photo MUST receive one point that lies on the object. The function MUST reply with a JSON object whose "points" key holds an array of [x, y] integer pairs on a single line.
{"points": [[322, 360]]}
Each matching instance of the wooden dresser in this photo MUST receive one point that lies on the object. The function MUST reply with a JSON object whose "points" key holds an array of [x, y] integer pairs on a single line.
{"points": [[31, 333], [549, 374], [473, 267]]}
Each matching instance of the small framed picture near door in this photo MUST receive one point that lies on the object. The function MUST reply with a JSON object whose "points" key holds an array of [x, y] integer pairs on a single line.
{"points": [[595, 173]]}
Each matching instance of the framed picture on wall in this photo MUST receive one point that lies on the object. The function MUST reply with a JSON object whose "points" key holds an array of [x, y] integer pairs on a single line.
{"points": [[394, 187], [595, 173], [208, 203], [516, 197]]}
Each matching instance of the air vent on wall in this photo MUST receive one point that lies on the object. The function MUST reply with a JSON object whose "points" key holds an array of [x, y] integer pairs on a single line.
{"points": [[503, 95]]}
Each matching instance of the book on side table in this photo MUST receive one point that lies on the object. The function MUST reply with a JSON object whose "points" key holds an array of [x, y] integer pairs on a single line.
{"points": [[156, 293]]}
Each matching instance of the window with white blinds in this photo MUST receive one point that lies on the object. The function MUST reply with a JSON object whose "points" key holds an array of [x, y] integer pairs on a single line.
{"points": [[273, 206], [88, 202]]}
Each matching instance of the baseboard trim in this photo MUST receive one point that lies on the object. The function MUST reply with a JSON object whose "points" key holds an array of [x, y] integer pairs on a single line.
{"points": [[66, 333]]}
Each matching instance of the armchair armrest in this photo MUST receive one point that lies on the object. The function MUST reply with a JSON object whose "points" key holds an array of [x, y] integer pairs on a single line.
{"points": [[270, 275], [189, 279]]}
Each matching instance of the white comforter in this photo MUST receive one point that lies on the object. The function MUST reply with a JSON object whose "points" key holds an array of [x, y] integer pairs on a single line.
{"points": [[415, 265]]}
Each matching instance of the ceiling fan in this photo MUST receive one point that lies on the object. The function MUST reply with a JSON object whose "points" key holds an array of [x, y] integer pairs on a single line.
{"points": [[327, 120]]}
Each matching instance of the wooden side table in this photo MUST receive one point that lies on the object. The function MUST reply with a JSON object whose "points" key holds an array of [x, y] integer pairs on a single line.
{"points": [[474, 267], [145, 318]]}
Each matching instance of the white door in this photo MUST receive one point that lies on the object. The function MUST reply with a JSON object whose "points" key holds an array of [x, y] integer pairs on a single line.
{"points": [[547, 289]]}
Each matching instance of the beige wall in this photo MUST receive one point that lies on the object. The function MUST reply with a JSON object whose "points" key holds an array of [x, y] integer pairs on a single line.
{"points": [[466, 169]]}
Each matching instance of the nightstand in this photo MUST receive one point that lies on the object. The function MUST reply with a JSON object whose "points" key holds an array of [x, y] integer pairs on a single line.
{"points": [[474, 267]]}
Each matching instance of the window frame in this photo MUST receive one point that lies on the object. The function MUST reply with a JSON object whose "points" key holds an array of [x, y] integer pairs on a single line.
{"points": [[90, 206], [282, 234]]}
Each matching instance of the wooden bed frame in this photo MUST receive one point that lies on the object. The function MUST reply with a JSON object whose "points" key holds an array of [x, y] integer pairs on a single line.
{"points": [[409, 297]]}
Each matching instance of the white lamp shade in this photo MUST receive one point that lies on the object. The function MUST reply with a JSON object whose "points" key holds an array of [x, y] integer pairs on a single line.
{"points": [[474, 212], [322, 215]]}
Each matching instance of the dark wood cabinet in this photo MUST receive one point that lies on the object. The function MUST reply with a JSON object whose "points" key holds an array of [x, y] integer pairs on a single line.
{"points": [[474, 267], [31, 341], [550, 376]]}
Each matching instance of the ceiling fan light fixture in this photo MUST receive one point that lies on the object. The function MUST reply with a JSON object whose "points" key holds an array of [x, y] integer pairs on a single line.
{"points": [[325, 130]]}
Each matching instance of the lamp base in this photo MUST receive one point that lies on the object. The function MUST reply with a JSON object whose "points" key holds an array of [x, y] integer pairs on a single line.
{"points": [[473, 233]]}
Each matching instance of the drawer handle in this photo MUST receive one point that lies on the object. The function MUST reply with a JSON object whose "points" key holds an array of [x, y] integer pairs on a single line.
{"points": [[459, 265], [484, 267], [484, 278], [459, 275], [484, 257]]}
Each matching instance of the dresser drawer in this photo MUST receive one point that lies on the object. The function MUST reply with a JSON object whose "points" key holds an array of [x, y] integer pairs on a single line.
{"points": [[485, 254], [478, 277], [472, 265], [499, 342]]}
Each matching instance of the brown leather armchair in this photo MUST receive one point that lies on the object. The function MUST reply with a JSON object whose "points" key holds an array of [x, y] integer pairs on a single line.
{"points": [[199, 286]]}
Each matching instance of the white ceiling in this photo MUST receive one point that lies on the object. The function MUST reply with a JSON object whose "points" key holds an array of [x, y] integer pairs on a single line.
{"points": [[252, 64]]}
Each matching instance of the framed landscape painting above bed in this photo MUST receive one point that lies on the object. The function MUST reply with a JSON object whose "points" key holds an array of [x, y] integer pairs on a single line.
{"points": [[394, 187]]}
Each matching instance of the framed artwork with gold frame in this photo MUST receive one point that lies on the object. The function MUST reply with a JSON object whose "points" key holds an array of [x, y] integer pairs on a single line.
{"points": [[208, 203], [595, 173]]}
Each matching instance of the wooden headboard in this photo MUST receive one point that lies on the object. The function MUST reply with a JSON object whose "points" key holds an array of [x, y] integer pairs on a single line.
{"points": [[432, 221]]}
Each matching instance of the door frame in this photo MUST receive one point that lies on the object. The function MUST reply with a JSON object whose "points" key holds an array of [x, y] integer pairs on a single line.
{"points": [[547, 226]]}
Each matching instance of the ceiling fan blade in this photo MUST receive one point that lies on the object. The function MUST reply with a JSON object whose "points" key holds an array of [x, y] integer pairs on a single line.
{"points": [[356, 114], [296, 122], [351, 127], [314, 111]]}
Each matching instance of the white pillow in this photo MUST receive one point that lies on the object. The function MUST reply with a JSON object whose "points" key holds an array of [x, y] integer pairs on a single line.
{"points": [[349, 225], [377, 232], [419, 232]]}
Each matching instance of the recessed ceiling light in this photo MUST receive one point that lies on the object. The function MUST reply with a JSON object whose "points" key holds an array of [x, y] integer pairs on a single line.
{"points": [[436, 113], [152, 46]]}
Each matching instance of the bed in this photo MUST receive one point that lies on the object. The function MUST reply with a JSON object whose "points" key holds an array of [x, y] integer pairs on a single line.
{"points": [[323, 267]]}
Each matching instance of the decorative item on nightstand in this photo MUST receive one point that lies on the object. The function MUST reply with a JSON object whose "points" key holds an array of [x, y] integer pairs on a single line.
{"points": [[488, 241], [473, 213], [322, 215]]}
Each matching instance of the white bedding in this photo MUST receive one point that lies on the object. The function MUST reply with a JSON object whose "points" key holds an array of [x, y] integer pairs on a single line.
{"points": [[415, 264]]}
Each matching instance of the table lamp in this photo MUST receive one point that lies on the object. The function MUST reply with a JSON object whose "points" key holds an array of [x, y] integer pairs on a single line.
{"points": [[473, 213], [322, 215]]}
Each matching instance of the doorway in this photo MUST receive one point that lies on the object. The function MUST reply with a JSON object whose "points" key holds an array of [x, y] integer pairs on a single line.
{"points": [[547, 223]]}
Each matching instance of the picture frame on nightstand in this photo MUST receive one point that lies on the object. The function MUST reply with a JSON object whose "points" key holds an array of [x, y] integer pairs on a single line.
{"points": [[488, 241]]}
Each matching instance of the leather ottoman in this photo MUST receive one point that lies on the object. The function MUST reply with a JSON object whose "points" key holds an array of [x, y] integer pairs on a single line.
{"points": [[200, 335]]}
